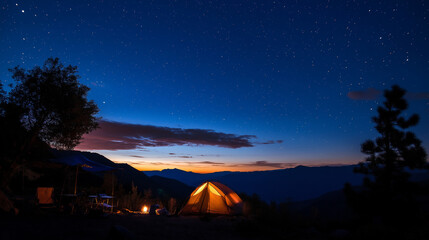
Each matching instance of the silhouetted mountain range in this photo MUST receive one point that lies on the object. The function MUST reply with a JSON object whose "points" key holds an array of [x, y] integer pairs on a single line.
{"points": [[189, 178], [292, 184]]}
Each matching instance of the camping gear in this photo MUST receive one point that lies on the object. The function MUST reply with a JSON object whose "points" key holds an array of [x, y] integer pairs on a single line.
{"points": [[213, 198], [102, 201], [6, 205], [44, 197], [162, 212], [153, 208], [75, 159]]}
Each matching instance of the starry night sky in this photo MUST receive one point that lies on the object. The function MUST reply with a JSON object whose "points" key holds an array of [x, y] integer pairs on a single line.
{"points": [[229, 85]]}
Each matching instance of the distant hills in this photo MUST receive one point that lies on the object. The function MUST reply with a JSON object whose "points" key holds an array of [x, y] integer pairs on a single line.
{"points": [[126, 174], [189, 178], [292, 184]]}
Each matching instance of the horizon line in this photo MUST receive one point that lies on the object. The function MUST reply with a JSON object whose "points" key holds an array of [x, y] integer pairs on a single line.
{"points": [[200, 172]]}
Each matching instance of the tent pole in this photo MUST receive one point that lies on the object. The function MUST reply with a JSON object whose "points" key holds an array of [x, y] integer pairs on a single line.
{"points": [[64, 183], [113, 184], [113, 191], [23, 177], [75, 182]]}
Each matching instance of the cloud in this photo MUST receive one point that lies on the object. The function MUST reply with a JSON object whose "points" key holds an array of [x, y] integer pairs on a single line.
{"points": [[136, 156], [272, 142], [156, 163], [266, 164], [174, 155], [209, 155], [211, 163], [147, 163], [417, 96], [372, 94], [124, 136], [367, 94], [202, 162]]}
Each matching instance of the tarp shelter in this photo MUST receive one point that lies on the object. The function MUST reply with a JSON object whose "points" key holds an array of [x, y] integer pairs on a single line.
{"points": [[213, 198], [80, 160]]}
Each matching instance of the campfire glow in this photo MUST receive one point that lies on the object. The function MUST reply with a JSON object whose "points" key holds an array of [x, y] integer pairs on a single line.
{"points": [[144, 209]]}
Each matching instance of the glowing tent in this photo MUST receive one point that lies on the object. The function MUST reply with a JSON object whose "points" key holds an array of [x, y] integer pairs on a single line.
{"points": [[213, 198]]}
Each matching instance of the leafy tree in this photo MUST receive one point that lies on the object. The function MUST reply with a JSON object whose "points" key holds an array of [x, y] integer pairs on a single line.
{"points": [[54, 104], [387, 188]]}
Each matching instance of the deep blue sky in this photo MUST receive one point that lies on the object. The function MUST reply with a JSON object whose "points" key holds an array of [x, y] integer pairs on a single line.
{"points": [[303, 72]]}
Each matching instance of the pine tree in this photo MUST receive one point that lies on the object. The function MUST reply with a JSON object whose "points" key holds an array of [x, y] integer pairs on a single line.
{"points": [[387, 189], [396, 148]]}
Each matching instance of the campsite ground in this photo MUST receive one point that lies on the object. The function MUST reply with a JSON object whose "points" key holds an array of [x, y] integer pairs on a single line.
{"points": [[181, 227], [140, 226]]}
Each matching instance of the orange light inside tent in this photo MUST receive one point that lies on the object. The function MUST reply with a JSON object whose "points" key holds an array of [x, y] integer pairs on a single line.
{"points": [[200, 189], [213, 190], [144, 209]]}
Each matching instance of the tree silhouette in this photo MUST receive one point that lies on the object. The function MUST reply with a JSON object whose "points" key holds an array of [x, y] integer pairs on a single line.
{"points": [[396, 148], [2, 94], [2, 101], [387, 186], [54, 105]]}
